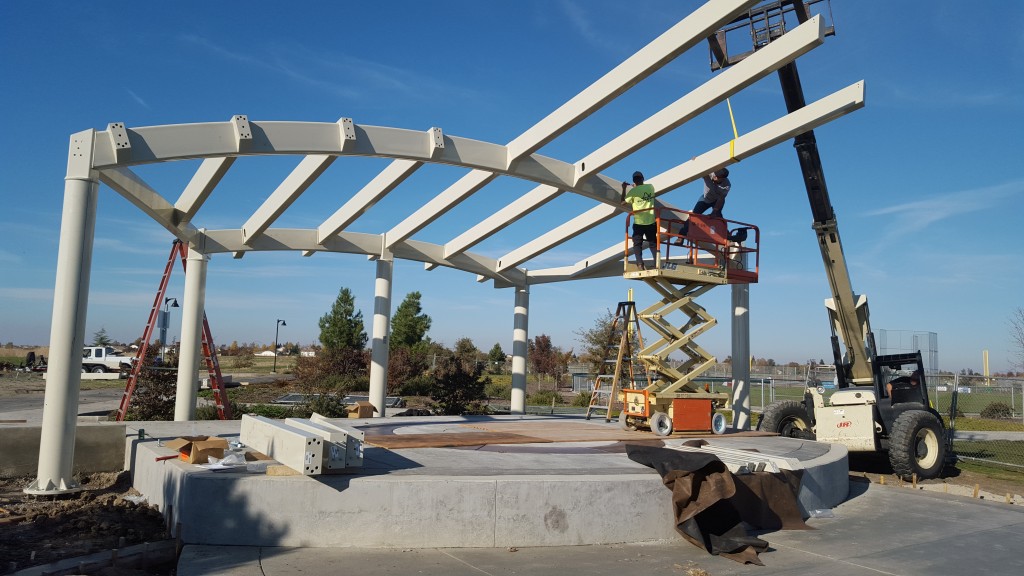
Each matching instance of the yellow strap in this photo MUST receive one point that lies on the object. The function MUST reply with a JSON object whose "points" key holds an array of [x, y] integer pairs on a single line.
{"points": [[735, 135]]}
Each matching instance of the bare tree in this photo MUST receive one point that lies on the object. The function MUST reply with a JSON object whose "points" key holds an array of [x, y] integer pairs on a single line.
{"points": [[1017, 335]]}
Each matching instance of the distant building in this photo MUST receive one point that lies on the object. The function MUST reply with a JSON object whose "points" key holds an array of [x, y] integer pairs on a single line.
{"points": [[266, 353]]}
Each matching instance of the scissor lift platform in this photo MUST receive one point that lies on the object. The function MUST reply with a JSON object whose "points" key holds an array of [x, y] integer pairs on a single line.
{"points": [[712, 252]]}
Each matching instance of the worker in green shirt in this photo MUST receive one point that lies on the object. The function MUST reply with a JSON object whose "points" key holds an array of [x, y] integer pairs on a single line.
{"points": [[641, 201]]}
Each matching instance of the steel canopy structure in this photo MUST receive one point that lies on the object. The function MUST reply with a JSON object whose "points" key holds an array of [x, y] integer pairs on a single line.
{"points": [[108, 157]]}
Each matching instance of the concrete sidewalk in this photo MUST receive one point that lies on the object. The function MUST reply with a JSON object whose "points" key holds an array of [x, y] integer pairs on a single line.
{"points": [[879, 530]]}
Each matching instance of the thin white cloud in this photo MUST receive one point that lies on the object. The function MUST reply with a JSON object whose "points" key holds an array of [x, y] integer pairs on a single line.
{"points": [[912, 217], [138, 99], [300, 64], [9, 257], [270, 62], [947, 96], [29, 230], [134, 301], [118, 245], [10, 295], [378, 77], [579, 20]]}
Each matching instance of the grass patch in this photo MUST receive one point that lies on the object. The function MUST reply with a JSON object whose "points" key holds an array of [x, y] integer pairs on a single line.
{"points": [[1004, 451], [1010, 475], [987, 425]]}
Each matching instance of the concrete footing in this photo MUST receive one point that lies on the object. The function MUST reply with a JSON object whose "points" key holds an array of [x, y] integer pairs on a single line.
{"points": [[529, 494]]}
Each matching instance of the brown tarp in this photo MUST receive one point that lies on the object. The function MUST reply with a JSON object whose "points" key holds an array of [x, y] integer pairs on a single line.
{"points": [[711, 504]]}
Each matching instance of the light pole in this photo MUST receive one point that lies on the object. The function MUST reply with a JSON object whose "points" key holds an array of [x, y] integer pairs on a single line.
{"points": [[277, 329], [163, 329]]}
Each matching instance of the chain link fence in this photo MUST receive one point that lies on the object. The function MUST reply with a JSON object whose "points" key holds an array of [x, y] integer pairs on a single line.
{"points": [[986, 416]]}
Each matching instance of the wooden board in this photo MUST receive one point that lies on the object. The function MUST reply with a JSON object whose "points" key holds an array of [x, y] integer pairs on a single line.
{"points": [[549, 431], [445, 439], [528, 432]]}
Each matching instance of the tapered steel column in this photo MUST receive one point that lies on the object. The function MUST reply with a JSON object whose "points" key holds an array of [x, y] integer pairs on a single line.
{"points": [[190, 353], [381, 335], [520, 335], [741, 353], [67, 327]]}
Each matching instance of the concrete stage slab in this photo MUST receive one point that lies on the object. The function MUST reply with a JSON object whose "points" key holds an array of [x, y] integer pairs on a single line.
{"points": [[538, 491]]}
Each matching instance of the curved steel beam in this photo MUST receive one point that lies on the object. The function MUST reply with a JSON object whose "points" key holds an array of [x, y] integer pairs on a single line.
{"points": [[810, 117]]}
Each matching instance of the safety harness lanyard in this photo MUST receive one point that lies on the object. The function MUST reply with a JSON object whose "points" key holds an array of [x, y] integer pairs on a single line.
{"points": [[735, 135]]}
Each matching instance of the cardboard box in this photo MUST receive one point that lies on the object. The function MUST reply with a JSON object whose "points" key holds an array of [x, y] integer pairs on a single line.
{"points": [[361, 409], [198, 449]]}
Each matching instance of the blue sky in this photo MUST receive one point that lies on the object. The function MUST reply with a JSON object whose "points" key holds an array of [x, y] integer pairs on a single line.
{"points": [[926, 180]]}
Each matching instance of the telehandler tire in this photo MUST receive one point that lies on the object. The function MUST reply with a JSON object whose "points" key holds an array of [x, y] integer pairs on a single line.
{"points": [[917, 446], [787, 418]]}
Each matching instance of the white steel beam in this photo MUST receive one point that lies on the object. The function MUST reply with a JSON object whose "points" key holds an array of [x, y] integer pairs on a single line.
{"points": [[584, 268], [574, 227], [134, 189], [297, 449], [807, 118], [689, 32], [153, 144], [206, 178], [293, 186], [496, 222], [439, 205], [382, 184], [342, 444], [786, 49], [290, 239], [760, 64]]}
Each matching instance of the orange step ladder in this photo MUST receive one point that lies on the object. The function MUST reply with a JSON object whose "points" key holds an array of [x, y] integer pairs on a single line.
{"points": [[178, 251]]}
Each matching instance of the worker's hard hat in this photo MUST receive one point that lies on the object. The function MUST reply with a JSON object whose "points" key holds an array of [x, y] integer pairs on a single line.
{"points": [[637, 176]]}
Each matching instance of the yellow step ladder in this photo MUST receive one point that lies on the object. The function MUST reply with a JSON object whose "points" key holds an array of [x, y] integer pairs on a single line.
{"points": [[624, 332]]}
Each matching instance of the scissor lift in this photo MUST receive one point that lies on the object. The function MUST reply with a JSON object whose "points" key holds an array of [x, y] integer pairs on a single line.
{"points": [[713, 252]]}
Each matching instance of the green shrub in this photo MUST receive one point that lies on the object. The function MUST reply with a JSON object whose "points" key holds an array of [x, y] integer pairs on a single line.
{"points": [[997, 411], [154, 395], [270, 411], [582, 399], [419, 386], [544, 398], [329, 405], [502, 390], [243, 361], [477, 409], [208, 412], [457, 384]]}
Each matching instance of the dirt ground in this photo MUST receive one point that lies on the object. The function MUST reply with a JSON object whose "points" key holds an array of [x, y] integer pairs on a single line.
{"points": [[37, 530]]}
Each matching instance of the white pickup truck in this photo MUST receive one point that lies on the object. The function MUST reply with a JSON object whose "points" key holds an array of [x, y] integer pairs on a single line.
{"points": [[104, 359]]}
